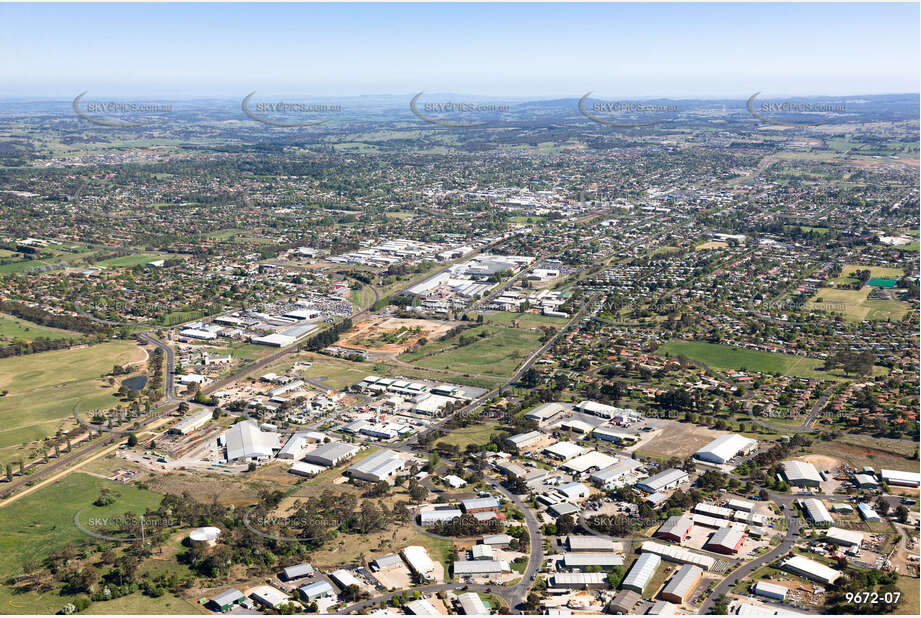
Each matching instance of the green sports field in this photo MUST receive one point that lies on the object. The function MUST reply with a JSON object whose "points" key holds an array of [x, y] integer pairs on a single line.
{"points": [[43, 389]]}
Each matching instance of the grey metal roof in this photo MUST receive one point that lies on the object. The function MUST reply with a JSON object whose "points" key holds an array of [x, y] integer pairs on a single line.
{"points": [[684, 580], [228, 597], [642, 571]]}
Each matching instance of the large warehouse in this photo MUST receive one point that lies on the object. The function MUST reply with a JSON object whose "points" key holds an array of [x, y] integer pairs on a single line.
{"points": [[641, 572], [725, 448], [844, 537], [675, 528], [801, 474], [663, 480], [816, 512], [898, 477], [682, 584], [331, 453], [800, 565], [246, 441], [673, 553], [381, 466], [726, 541]]}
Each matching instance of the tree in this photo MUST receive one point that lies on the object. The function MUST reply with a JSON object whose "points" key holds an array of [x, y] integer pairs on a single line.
{"points": [[132, 440]]}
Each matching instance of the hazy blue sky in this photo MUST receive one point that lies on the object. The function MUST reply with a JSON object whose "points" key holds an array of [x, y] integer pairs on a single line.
{"points": [[680, 50]]}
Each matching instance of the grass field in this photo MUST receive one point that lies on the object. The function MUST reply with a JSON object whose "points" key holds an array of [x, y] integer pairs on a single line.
{"points": [[911, 596], [523, 320], [43, 522], [855, 305], [12, 327], [128, 261], [43, 388], [496, 351], [726, 357], [474, 434], [138, 603]]}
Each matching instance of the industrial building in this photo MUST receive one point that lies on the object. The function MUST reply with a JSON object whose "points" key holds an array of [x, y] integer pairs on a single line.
{"points": [[384, 563], [726, 541], [664, 480], [418, 560], [642, 572], [580, 560], [344, 578], [225, 601], [190, 423], [472, 605], [573, 491], [590, 544], [591, 460], [297, 571], [466, 568], [420, 607], [624, 602], [430, 517], [675, 528], [544, 412], [582, 581], [816, 512], [801, 474], [564, 451], [480, 505], [673, 553], [302, 468], [245, 441], [268, 596], [724, 448], [524, 440], [771, 591], [867, 512], [900, 478], [381, 466], [616, 475], [331, 454], [607, 412], [800, 565], [682, 584], [316, 590], [847, 538]]}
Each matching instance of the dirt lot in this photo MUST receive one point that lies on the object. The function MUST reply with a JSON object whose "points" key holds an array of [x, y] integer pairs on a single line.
{"points": [[392, 336], [678, 440]]}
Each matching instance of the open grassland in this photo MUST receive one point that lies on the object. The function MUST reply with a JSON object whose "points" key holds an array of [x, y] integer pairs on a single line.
{"points": [[678, 440], [43, 522], [474, 434], [726, 357], [495, 351], [138, 603], [523, 320], [12, 327], [129, 261], [911, 596], [855, 304], [859, 456], [44, 387]]}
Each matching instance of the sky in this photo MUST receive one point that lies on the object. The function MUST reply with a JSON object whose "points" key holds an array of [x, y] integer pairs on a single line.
{"points": [[531, 50]]}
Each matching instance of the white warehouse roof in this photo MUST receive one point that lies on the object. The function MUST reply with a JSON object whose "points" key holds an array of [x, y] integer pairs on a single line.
{"points": [[724, 448]]}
